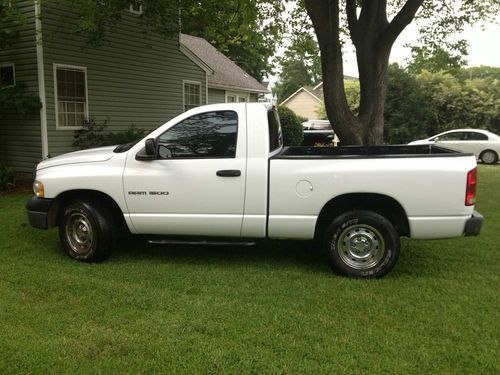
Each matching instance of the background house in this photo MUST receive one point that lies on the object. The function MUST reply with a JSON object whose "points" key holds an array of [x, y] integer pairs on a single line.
{"points": [[133, 79], [306, 101], [226, 81]]}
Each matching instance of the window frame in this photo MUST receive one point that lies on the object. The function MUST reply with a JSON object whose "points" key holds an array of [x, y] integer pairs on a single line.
{"points": [[56, 99], [184, 82], [133, 11], [237, 95], [13, 65]]}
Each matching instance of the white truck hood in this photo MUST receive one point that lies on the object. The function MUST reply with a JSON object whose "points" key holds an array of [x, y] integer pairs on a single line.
{"points": [[85, 156]]}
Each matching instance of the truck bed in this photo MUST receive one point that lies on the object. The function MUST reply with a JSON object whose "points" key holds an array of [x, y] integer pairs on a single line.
{"points": [[386, 151]]}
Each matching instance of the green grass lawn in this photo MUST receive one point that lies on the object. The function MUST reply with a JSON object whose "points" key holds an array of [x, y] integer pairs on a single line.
{"points": [[271, 309]]}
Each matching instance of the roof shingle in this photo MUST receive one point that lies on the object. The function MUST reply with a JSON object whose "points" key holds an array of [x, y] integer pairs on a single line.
{"points": [[225, 72]]}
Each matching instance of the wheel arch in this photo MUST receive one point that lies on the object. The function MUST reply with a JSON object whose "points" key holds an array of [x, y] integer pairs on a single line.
{"points": [[380, 203], [65, 198]]}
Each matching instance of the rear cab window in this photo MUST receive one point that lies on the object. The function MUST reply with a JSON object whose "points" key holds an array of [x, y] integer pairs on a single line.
{"points": [[275, 134]]}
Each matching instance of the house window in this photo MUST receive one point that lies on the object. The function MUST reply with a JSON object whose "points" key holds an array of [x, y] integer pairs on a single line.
{"points": [[209, 135], [236, 97], [135, 8], [7, 75], [71, 96], [192, 95]]}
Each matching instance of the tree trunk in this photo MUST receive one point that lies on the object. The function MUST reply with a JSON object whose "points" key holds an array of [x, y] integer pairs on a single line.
{"points": [[373, 37]]}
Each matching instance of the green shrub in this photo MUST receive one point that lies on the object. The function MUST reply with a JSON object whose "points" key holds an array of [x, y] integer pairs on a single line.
{"points": [[132, 134], [93, 134], [7, 177], [291, 125]]}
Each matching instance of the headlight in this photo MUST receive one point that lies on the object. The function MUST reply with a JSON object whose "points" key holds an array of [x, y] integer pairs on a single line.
{"points": [[38, 189]]}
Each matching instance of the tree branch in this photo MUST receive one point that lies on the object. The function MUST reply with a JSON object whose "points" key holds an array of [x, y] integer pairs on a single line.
{"points": [[318, 13], [352, 19], [404, 17]]}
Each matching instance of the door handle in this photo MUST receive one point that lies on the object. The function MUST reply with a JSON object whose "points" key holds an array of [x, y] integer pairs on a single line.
{"points": [[229, 173]]}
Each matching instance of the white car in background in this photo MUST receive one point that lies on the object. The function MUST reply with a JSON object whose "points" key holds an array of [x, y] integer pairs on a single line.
{"points": [[482, 143]]}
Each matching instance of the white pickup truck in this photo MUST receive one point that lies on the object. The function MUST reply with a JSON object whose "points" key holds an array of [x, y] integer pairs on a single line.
{"points": [[220, 171]]}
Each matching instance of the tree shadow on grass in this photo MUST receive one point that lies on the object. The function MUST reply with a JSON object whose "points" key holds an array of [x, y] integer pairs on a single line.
{"points": [[277, 254]]}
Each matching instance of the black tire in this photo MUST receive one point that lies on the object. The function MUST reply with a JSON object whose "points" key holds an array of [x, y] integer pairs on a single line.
{"points": [[489, 157], [86, 231], [362, 244]]}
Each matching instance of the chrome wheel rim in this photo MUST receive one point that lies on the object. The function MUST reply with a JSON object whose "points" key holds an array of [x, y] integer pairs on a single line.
{"points": [[79, 233], [488, 157], [360, 246]]}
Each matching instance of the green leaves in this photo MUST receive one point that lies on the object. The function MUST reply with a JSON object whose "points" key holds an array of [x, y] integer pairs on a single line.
{"points": [[300, 66], [10, 20], [248, 32], [436, 102], [16, 99]]}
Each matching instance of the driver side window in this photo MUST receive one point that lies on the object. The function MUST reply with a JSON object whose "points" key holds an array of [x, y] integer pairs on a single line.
{"points": [[207, 135]]}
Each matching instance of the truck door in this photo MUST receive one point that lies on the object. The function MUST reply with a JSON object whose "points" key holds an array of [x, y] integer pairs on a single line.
{"points": [[196, 184]]}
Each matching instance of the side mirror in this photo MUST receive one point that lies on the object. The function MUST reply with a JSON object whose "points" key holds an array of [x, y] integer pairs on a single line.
{"points": [[148, 152], [150, 147], [436, 139]]}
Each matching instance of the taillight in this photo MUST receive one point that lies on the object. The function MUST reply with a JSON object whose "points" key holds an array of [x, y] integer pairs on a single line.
{"points": [[470, 192]]}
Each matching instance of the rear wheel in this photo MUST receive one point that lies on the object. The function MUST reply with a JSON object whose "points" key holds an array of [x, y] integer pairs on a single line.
{"points": [[86, 231], [362, 244], [489, 157]]}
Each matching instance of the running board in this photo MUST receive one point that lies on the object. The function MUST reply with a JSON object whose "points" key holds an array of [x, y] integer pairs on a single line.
{"points": [[201, 242]]}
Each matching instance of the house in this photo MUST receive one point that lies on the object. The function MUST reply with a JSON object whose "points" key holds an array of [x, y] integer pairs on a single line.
{"points": [[306, 101], [226, 81], [133, 79]]}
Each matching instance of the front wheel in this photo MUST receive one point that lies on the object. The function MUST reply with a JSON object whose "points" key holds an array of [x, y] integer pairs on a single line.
{"points": [[362, 244], [86, 231]]}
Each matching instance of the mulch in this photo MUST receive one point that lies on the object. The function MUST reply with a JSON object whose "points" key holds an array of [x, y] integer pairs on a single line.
{"points": [[23, 185]]}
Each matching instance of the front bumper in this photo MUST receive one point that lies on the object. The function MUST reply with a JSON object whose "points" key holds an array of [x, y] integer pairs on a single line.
{"points": [[474, 224], [38, 212]]}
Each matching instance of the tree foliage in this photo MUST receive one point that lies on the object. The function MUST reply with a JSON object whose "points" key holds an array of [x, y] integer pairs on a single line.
{"points": [[440, 23], [10, 19], [17, 100], [419, 106], [461, 104], [238, 28], [437, 60], [300, 66], [480, 72], [408, 111]]}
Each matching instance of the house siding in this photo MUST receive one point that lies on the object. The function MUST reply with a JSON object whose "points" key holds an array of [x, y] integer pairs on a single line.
{"points": [[134, 79], [254, 97], [20, 135], [304, 105], [216, 96]]}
